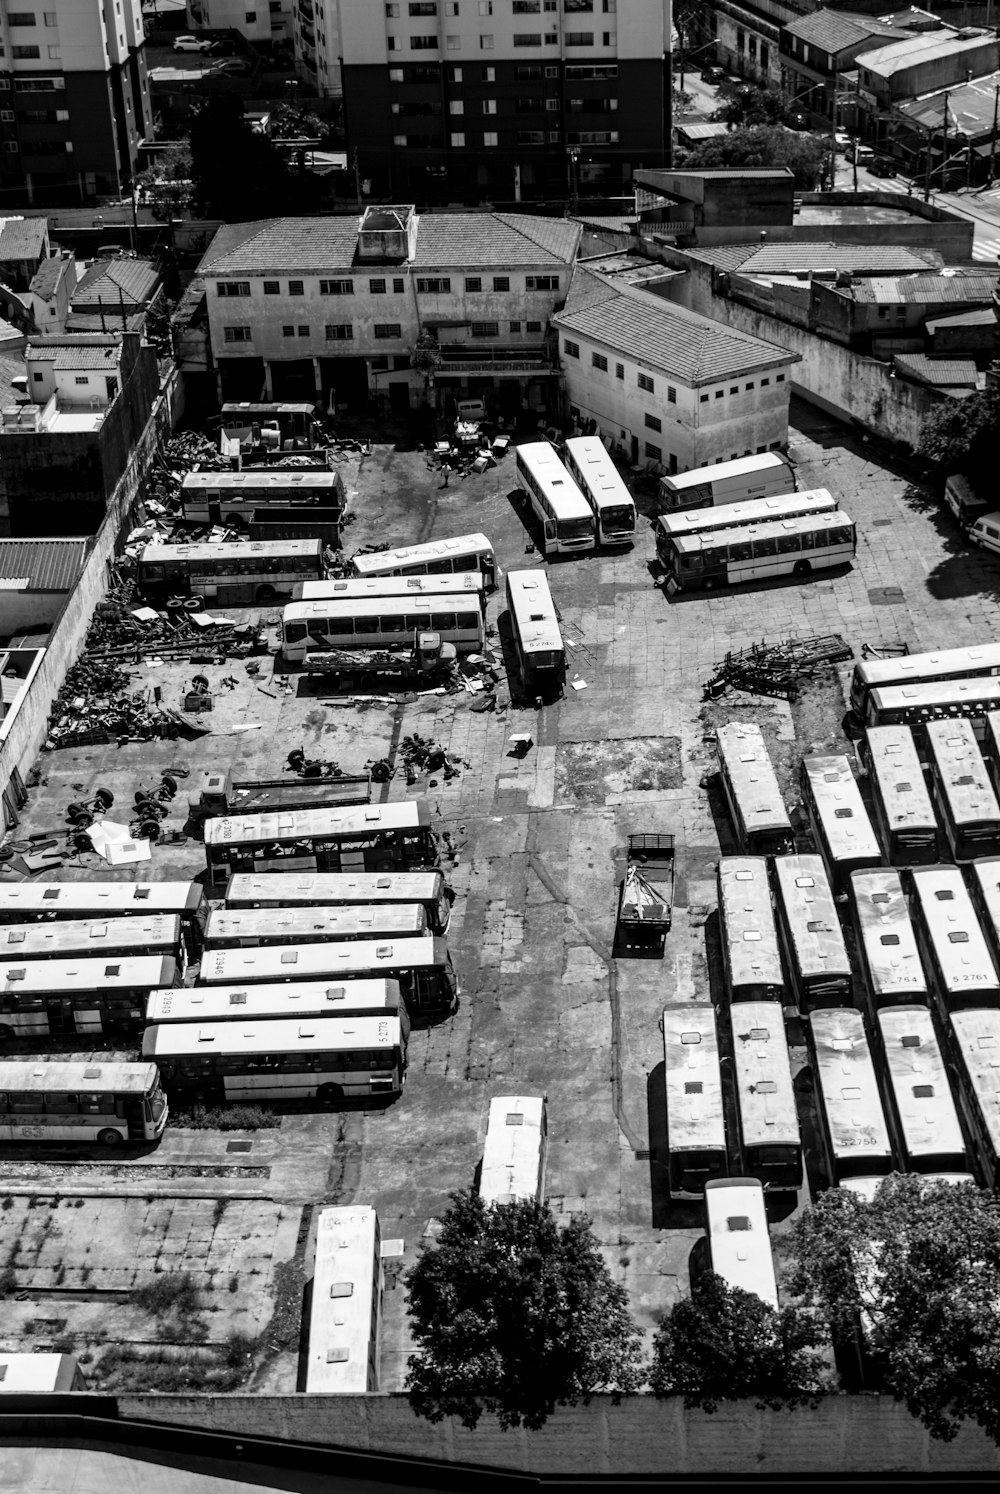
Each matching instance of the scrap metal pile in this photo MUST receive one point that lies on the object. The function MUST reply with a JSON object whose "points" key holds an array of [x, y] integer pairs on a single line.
{"points": [[779, 669]]}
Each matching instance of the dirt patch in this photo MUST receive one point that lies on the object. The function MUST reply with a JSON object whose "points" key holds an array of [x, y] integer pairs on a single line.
{"points": [[812, 723], [587, 772]]}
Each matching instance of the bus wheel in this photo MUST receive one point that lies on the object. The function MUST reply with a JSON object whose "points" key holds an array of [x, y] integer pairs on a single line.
{"points": [[385, 864], [266, 593], [802, 568], [109, 1137], [330, 1094]]}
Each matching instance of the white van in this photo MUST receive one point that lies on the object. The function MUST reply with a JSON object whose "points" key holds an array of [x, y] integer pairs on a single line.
{"points": [[470, 411], [963, 500], [985, 532]]}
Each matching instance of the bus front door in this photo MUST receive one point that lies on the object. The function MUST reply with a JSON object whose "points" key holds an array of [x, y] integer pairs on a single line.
{"points": [[61, 1015]]}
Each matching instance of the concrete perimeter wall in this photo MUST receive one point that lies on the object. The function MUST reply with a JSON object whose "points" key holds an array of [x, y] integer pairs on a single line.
{"points": [[844, 1435]]}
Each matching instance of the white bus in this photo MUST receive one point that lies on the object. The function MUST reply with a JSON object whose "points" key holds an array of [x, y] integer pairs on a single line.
{"points": [[345, 1303], [739, 1246], [976, 1044], [840, 824], [965, 797], [28, 901], [297, 998], [62, 940], [984, 885], [600, 482], [735, 515], [815, 952], [903, 813], [751, 954], [750, 785], [564, 513], [422, 966], [236, 574], [886, 939], [538, 645], [366, 837], [921, 1107], [929, 668], [729, 482], [380, 623], [933, 700], [62, 997], [344, 889], [513, 1166], [257, 928], [760, 552], [770, 1143], [696, 1128], [425, 588], [40, 1373], [99, 1100], [950, 935], [443, 557], [856, 1140], [319, 1058]]}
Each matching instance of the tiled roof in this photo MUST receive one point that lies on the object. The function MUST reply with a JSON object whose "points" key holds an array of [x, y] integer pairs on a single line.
{"points": [[11, 368], [104, 359], [983, 316], [473, 240], [23, 238], [48, 275], [682, 344], [937, 371], [886, 61], [112, 280], [797, 256], [46, 564], [829, 30], [916, 289]]}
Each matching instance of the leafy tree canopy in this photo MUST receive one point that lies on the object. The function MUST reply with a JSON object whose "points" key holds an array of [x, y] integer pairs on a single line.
{"points": [[748, 104], [514, 1315], [960, 435], [722, 1343], [237, 173], [293, 122], [919, 1268], [764, 145], [168, 183]]}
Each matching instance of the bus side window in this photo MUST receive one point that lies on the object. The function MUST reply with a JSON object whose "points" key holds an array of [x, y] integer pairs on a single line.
{"points": [[840, 536], [418, 622], [295, 632], [822, 539], [436, 567], [394, 624], [787, 543], [443, 621], [339, 625], [468, 620], [366, 625], [738, 550]]}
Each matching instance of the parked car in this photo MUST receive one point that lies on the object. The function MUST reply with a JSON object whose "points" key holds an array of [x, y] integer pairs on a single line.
{"points": [[712, 74], [192, 44], [223, 48], [881, 166], [233, 67]]}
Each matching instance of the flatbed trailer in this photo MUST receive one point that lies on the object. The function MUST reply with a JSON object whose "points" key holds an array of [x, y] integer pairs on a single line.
{"points": [[645, 908]]}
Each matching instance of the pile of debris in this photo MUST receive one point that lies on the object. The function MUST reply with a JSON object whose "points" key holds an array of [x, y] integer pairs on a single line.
{"points": [[419, 755], [778, 669], [123, 633], [190, 452]]}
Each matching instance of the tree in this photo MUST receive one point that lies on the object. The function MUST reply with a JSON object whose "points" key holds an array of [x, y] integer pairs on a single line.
{"points": [[722, 1344], [168, 184], [293, 122], [749, 104], [960, 435], [764, 146], [918, 1272], [237, 173], [514, 1315]]}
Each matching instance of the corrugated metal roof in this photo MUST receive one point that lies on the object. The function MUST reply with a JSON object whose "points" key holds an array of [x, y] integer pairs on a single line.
{"points": [[984, 316], [883, 290], [47, 564], [707, 130], [937, 371], [22, 238], [887, 61], [831, 31], [114, 280]]}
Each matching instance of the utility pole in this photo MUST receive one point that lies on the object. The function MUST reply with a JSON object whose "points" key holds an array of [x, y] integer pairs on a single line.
{"points": [[357, 179], [944, 146], [993, 137]]}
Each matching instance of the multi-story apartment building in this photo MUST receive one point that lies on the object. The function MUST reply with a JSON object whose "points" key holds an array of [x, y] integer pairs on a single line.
{"points": [[471, 100], [74, 98], [332, 308], [257, 20], [316, 39]]}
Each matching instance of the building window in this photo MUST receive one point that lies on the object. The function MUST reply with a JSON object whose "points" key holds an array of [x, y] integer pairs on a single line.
{"points": [[541, 282], [571, 349], [779, 378], [764, 383], [423, 8], [237, 334], [485, 329], [385, 330], [342, 332], [619, 370], [456, 106], [392, 11], [80, 379], [485, 7], [21, 18], [515, 329], [303, 331], [526, 7], [38, 377], [336, 287], [645, 382], [579, 38], [391, 44], [527, 38], [473, 282], [395, 75], [423, 43], [272, 288], [653, 422], [296, 288], [234, 287], [671, 395], [399, 139], [489, 106], [376, 287], [598, 360], [453, 44], [501, 282], [489, 74], [654, 453], [490, 137], [719, 393], [734, 389], [486, 44], [437, 286], [750, 385], [458, 138], [451, 7], [287, 330], [527, 72], [703, 399], [50, 18], [532, 326], [398, 286], [54, 54]]}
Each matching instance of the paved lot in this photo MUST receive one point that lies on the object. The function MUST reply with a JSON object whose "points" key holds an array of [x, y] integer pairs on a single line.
{"points": [[544, 1007]]}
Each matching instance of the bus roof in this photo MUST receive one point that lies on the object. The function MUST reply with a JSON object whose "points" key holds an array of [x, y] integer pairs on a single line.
{"points": [[748, 763], [534, 610], [748, 921], [348, 887], [698, 544], [849, 1086], [233, 483], [693, 1078], [985, 871], [350, 607], [286, 998], [919, 1081], [913, 668], [308, 924], [811, 915], [720, 471], [440, 549], [291, 824], [319, 961], [513, 1152], [593, 461], [100, 897], [159, 554], [895, 766], [343, 1318], [763, 1074], [963, 694], [962, 771], [977, 1037], [549, 470], [268, 407], [453, 583], [36, 1075], [841, 808], [107, 974], [163, 930], [298, 1035], [735, 1209], [954, 930], [750, 511], [887, 934]]}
